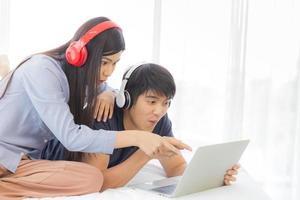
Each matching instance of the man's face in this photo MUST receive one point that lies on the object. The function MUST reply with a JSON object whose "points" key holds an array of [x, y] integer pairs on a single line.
{"points": [[149, 108]]}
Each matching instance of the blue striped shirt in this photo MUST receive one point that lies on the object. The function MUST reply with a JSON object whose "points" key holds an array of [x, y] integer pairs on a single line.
{"points": [[35, 109]]}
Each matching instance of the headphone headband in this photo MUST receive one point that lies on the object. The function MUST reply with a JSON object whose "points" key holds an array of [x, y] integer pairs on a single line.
{"points": [[123, 99], [128, 74], [76, 53], [132, 68], [99, 28]]}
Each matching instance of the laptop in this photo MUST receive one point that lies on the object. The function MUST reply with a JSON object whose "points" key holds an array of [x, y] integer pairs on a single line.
{"points": [[206, 170]]}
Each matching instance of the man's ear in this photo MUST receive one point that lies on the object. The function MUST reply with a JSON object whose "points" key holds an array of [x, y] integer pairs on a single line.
{"points": [[170, 101]]}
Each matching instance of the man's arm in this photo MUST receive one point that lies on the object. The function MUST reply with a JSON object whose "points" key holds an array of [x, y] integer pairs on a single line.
{"points": [[173, 166], [99, 161], [120, 174]]}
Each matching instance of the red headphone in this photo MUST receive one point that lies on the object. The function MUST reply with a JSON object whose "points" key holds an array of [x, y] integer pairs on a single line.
{"points": [[76, 53]]}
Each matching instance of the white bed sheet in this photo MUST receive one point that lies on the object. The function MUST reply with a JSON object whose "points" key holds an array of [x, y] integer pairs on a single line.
{"points": [[245, 188]]}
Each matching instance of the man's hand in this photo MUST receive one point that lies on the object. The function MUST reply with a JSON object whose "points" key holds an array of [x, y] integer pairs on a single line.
{"points": [[230, 174], [104, 107]]}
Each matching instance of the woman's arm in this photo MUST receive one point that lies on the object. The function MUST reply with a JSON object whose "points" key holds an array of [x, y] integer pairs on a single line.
{"points": [[150, 143], [47, 88]]}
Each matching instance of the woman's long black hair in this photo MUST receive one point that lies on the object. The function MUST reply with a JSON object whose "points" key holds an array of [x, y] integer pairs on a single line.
{"points": [[82, 80]]}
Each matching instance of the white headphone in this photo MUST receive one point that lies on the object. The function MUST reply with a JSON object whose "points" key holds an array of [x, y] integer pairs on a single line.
{"points": [[123, 99]]}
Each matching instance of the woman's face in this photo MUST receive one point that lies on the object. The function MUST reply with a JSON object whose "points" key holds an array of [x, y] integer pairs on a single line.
{"points": [[108, 64]]}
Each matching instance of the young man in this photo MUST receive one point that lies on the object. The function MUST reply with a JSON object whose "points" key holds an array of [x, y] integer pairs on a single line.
{"points": [[142, 104]]}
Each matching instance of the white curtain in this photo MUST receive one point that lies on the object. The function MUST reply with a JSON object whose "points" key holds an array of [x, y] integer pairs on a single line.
{"points": [[4, 37], [237, 69], [4, 26], [236, 64], [271, 104]]}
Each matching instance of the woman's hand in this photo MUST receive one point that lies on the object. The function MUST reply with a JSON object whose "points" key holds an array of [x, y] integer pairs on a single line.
{"points": [[104, 107], [230, 174], [156, 146], [177, 143]]}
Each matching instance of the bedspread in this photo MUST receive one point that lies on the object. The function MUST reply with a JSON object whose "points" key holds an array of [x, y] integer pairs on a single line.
{"points": [[245, 188]]}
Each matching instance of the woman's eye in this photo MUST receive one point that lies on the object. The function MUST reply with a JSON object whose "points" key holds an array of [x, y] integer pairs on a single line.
{"points": [[103, 63]]}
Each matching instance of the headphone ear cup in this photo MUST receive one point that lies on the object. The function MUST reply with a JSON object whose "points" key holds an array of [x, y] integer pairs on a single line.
{"points": [[120, 99], [83, 56], [127, 99], [76, 55]]}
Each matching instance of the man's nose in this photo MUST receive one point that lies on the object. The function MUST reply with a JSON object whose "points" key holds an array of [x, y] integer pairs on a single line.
{"points": [[159, 110]]}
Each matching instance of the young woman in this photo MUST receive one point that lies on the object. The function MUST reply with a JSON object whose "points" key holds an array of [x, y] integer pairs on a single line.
{"points": [[53, 94]]}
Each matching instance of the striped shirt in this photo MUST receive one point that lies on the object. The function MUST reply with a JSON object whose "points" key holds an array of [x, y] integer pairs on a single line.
{"points": [[35, 109]]}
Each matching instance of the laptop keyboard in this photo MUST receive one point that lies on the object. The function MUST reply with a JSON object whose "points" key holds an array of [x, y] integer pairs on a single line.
{"points": [[166, 189]]}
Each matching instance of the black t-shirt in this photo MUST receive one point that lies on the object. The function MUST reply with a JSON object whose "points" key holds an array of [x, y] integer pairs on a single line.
{"points": [[54, 150]]}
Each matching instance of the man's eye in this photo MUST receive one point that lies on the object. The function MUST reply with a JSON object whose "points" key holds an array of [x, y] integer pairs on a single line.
{"points": [[152, 102]]}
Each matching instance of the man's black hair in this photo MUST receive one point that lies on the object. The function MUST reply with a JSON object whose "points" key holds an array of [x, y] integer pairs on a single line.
{"points": [[150, 77]]}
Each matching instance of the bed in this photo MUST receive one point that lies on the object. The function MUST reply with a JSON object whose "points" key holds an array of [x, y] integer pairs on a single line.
{"points": [[245, 188]]}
